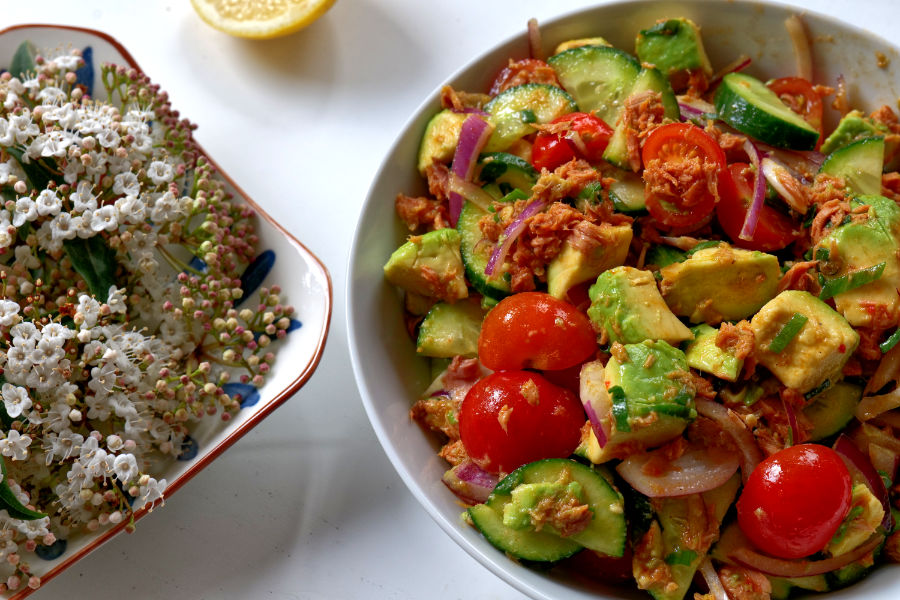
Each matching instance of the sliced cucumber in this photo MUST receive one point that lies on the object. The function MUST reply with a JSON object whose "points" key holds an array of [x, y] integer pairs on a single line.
{"points": [[649, 79], [476, 252], [605, 533], [598, 77], [830, 411], [859, 163], [450, 330], [507, 172], [746, 104], [513, 110]]}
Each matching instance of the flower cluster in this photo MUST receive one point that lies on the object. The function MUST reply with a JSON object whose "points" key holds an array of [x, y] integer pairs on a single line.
{"points": [[121, 314]]}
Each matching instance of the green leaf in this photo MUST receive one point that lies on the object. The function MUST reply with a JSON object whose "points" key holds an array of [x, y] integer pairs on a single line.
{"points": [[95, 261], [39, 174], [8, 501], [23, 59]]}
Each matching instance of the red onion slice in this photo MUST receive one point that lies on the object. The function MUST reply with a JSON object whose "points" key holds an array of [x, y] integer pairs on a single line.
{"points": [[792, 421], [796, 29], [780, 567], [470, 192], [785, 182], [535, 43], [470, 482], [699, 469], [859, 461], [594, 418], [696, 110], [728, 420], [739, 64], [472, 138], [512, 231], [759, 192], [712, 579]]}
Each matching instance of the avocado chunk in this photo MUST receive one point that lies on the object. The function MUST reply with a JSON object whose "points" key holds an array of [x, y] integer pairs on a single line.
{"points": [[669, 552], [450, 330], [863, 520], [831, 411], [429, 265], [675, 47], [440, 138], [588, 251], [704, 355], [817, 353], [853, 126], [720, 283], [863, 244], [643, 398], [627, 305]]}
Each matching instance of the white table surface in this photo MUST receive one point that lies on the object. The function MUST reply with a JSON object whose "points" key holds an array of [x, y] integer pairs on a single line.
{"points": [[306, 506]]}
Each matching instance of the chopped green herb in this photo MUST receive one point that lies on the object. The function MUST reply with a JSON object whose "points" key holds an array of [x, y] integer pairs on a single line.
{"points": [[889, 343], [515, 194], [823, 254], [788, 333], [619, 408], [527, 116], [852, 280], [702, 245]]}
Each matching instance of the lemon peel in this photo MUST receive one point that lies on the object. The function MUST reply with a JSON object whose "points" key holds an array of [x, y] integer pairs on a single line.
{"points": [[260, 19]]}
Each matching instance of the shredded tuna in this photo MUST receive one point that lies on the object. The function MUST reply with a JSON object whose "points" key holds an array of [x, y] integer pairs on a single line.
{"points": [[745, 584], [886, 116], [890, 186], [460, 101], [436, 414], [698, 83], [798, 277], [564, 512], [566, 181], [642, 113], [503, 416], [438, 176], [650, 567], [841, 102], [617, 350], [826, 188], [737, 339], [688, 177], [519, 72], [830, 215], [454, 452], [420, 212], [661, 459]]}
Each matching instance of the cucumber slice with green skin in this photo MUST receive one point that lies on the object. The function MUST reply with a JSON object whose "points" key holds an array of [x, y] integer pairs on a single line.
{"points": [[605, 533], [833, 409], [475, 254], [512, 111], [650, 79], [450, 330], [746, 104], [507, 171], [598, 77], [859, 163], [627, 191]]}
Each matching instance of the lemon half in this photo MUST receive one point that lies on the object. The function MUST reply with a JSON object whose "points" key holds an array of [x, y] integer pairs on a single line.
{"points": [[260, 19]]}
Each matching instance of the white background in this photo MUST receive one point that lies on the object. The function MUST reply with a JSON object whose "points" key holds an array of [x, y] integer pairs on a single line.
{"points": [[306, 506]]}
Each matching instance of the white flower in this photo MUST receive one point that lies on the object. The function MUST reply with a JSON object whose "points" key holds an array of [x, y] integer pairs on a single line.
{"points": [[130, 209], [25, 332], [89, 309], [108, 138], [57, 331], [48, 203], [116, 300], [126, 183], [15, 445], [9, 313], [62, 227], [25, 210], [52, 95], [125, 467], [160, 172], [23, 127], [83, 199], [103, 379], [26, 258], [104, 218], [34, 528], [151, 492], [15, 399]]}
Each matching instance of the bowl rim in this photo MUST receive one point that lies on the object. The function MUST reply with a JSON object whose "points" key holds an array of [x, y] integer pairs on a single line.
{"points": [[277, 400], [497, 563]]}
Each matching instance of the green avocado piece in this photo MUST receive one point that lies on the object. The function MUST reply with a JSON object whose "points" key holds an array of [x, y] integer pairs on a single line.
{"points": [[675, 47], [429, 265], [859, 245], [440, 138], [863, 520], [627, 305], [852, 126], [450, 330], [817, 353], [640, 402], [587, 254], [704, 355], [720, 283]]}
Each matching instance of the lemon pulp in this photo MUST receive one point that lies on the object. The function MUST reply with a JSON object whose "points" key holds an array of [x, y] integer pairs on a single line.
{"points": [[260, 18]]}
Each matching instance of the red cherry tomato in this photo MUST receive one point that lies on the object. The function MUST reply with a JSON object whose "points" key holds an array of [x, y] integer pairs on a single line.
{"points": [[802, 98], [794, 501], [551, 150], [510, 418], [534, 330], [677, 149], [774, 230]]}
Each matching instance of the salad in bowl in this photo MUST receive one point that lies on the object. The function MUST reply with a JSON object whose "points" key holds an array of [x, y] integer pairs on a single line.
{"points": [[658, 304]]}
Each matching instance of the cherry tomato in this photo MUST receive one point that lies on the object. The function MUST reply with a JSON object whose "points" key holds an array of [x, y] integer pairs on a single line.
{"points": [[774, 230], [534, 330], [511, 418], [551, 150], [794, 501], [676, 148], [802, 98]]}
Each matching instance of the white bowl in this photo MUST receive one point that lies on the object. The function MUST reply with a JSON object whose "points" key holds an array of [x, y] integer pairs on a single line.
{"points": [[305, 282], [390, 375]]}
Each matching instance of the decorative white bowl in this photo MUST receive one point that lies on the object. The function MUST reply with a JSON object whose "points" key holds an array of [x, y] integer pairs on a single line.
{"points": [[390, 375], [303, 278]]}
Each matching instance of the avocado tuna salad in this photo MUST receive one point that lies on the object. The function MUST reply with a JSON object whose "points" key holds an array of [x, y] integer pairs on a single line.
{"points": [[661, 308]]}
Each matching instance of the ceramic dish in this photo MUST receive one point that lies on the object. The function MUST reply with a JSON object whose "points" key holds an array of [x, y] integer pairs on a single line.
{"points": [[388, 372], [303, 278]]}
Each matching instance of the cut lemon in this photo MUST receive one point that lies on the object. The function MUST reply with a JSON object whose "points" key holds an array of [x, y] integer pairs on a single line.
{"points": [[260, 19]]}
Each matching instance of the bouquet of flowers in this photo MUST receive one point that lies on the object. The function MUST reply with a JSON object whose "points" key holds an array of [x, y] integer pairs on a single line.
{"points": [[122, 320]]}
